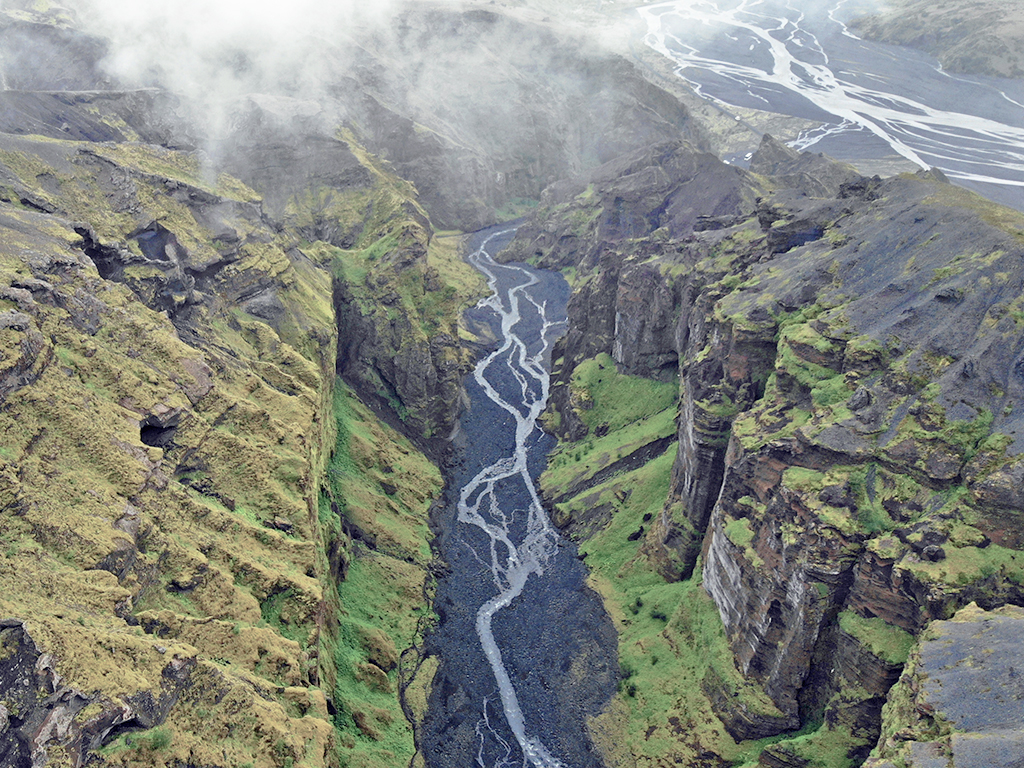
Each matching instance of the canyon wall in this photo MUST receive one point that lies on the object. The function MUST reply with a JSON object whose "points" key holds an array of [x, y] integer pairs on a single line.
{"points": [[846, 438]]}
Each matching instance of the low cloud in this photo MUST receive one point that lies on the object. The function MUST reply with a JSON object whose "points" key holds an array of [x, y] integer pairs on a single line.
{"points": [[213, 51]]}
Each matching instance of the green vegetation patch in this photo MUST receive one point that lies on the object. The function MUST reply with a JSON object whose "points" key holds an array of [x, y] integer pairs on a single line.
{"points": [[827, 385], [515, 208], [889, 643], [739, 532], [376, 624], [573, 462], [632, 410], [379, 482], [633, 496], [610, 398], [825, 747], [382, 486], [966, 565]]}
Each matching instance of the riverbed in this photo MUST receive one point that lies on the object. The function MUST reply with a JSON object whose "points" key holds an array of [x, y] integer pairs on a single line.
{"points": [[527, 650], [870, 100]]}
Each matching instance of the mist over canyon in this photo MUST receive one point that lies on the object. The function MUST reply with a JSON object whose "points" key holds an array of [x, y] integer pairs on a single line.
{"points": [[444, 384]]}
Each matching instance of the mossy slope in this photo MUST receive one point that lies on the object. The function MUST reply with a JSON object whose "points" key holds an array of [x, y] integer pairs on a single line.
{"points": [[167, 422]]}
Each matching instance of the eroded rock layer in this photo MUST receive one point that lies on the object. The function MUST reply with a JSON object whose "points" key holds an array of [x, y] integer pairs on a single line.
{"points": [[847, 427]]}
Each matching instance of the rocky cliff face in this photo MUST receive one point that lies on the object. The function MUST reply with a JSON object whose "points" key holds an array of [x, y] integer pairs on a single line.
{"points": [[846, 425], [164, 433], [955, 703]]}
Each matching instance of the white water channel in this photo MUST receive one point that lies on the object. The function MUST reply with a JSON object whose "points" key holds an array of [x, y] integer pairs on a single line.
{"points": [[799, 58], [522, 541]]}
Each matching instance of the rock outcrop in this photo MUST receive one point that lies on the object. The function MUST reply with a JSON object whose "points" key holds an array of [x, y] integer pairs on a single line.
{"points": [[957, 701], [847, 428]]}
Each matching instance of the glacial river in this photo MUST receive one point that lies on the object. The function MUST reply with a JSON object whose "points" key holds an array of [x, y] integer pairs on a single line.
{"points": [[527, 651], [871, 100]]}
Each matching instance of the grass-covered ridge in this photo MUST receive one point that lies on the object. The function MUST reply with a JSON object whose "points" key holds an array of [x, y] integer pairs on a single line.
{"points": [[379, 492], [123, 556], [622, 414]]}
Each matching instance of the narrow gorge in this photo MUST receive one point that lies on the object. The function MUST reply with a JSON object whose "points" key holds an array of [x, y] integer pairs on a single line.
{"points": [[527, 653]]}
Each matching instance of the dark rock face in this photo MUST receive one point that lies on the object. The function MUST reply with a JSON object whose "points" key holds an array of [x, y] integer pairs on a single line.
{"points": [[723, 372], [813, 174], [831, 339], [958, 698], [543, 106], [389, 361], [38, 709], [105, 115], [670, 185]]}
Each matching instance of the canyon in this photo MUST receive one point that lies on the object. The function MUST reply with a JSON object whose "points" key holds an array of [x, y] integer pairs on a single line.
{"points": [[252, 446]]}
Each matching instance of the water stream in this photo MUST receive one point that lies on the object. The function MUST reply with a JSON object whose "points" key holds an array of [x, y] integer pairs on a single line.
{"points": [[871, 100], [527, 650]]}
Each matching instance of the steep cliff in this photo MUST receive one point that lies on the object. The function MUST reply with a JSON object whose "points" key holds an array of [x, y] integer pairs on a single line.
{"points": [[168, 359], [194, 510], [846, 438]]}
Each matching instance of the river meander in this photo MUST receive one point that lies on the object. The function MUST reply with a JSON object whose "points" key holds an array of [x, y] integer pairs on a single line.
{"points": [[527, 651]]}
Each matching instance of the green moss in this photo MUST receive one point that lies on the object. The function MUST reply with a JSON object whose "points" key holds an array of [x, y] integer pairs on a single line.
{"points": [[515, 208], [573, 462], [739, 532], [616, 399], [249, 436], [375, 595], [889, 643], [809, 481], [827, 386], [767, 422], [826, 747], [671, 637], [871, 514], [968, 564], [379, 482]]}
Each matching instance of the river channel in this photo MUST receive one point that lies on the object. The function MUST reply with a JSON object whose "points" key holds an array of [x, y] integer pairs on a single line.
{"points": [[870, 100], [527, 650]]}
